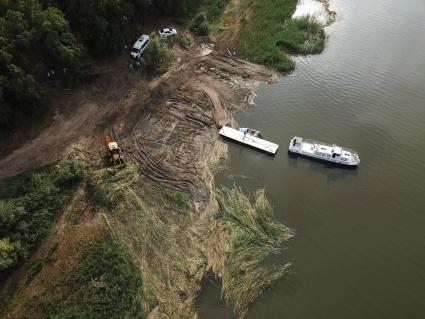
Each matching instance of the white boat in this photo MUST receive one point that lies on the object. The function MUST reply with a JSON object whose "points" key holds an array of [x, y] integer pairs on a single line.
{"points": [[323, 151], [249, 138]]}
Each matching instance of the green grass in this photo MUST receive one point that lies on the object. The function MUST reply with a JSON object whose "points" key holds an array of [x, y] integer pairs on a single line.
{"points": [[261, 32], [269, 28], [157, 58], [206, 14], [184, 42], [49, 259], [155, 222], [302, 35], [34, 270], [107, 284], [254, 236], [29, 204]]}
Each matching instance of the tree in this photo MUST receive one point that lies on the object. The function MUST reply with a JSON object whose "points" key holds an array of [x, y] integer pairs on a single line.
{"points": [[8, 253], [32, 36], [104, 26], [55, 37]]}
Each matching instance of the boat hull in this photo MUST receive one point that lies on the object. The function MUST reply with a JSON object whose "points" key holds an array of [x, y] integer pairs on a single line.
{"points": [[321, 160], [323, 152]]}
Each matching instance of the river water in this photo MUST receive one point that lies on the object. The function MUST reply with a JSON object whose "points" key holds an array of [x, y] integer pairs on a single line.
{"points": [[359, 250]]}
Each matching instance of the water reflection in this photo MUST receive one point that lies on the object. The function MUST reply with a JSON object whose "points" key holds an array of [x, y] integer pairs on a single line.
{"points": [[331, 171]]}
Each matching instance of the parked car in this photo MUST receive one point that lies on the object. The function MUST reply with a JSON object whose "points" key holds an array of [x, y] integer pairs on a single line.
{"points": [[140, 46], [167, 32]]}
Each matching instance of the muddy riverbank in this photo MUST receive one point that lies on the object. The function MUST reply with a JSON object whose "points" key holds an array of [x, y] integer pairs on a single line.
{"points": [[163, 206], [358, 252]]}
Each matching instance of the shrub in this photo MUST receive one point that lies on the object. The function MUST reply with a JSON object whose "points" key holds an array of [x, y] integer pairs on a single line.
{"points": [[208, 12], [158, 57], [302, 35], [106, 284], [34, 270], [29, 203], [184, 42], [52, 249], [9, 253], [200, 25]]}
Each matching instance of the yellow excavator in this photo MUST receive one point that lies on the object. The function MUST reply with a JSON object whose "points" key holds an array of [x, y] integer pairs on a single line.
{"points": [[113, 151]]}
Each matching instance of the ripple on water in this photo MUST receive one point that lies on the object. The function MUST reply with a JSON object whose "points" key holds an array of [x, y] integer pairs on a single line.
{"points": [[360, 232]]}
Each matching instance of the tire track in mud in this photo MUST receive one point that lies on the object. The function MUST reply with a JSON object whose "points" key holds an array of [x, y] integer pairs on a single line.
{"points": [[173, 143]]}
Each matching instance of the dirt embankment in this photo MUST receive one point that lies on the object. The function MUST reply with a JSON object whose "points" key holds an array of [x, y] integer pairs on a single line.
{"points": [[200, 88], [171, 143], [169, 130]]}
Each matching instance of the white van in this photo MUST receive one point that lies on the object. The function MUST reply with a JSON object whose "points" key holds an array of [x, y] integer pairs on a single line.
{"points": [[140, 46]]}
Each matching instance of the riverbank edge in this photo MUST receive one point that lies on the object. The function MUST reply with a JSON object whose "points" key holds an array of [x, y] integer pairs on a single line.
{"points": [[213, 208]]}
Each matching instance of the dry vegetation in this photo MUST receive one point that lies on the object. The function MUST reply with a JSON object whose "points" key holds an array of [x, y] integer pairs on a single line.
{"points": [[136, 240], [159, 212], [254, 235]]}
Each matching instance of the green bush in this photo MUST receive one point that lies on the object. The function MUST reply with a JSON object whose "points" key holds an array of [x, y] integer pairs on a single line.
{"points": [[52, 249], [184, 42], [34, 270], [158, 57], [9, 253], [178, 198], [29, 203], [208, 12], [106, 285], [302, 35], [270, 29], [200, 25]]}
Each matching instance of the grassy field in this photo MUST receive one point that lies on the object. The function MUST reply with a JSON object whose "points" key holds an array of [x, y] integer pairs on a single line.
{"points": [[303, 36], [264, 32], [105, 284], [254, 235]]}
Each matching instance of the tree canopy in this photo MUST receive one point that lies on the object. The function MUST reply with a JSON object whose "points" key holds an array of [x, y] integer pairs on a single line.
{"points": [[32, 40], [41, 36]]}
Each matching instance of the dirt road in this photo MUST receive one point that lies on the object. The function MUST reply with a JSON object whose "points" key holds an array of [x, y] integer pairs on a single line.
{"points": [[85, 111]]}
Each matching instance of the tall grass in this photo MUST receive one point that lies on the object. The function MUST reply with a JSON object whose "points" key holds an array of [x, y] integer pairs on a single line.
{"points": [[154, 223], [303, 35], [106, 284], [268, 28], [254, 235], [262, 30], [208, 11], [157, 58]]}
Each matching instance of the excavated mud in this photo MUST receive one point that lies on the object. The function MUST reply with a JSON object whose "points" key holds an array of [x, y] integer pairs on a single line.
{"points": [[168, 129], [171, 143]]}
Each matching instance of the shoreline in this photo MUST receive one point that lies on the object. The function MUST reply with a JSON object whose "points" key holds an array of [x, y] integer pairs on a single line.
{"points": [[170, 137]]}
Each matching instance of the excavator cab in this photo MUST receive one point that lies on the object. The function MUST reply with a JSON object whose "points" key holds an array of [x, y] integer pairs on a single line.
{"points": [[114, 153]]}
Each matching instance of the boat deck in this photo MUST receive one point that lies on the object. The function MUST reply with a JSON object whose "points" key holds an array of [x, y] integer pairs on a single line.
{"points": [[249, 140]]}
